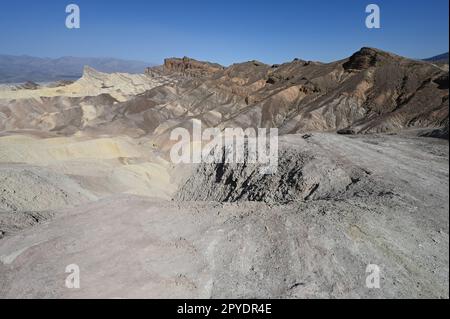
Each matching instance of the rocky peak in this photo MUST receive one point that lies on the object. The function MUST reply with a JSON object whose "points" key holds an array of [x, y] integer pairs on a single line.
{"points": [[367, 58], [190, 67], [89, 72], [361, 60]]}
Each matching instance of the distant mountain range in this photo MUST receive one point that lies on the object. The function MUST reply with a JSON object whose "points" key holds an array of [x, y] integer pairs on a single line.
{"points": [[17, 69], [441, 58]]}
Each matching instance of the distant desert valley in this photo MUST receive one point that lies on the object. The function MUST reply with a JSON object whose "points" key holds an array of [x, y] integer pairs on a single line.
{"points": [[86, 178]]}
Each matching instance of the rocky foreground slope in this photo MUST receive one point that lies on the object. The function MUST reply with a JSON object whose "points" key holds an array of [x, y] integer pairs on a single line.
{"points": [[382, 200]]}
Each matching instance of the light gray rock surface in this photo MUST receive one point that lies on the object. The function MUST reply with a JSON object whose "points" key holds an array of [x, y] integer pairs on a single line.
{"points": [[130, 246]]}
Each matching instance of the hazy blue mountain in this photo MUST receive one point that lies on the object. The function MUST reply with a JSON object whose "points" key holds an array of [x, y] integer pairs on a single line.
{"points": [[441, 58], [16, 69]]}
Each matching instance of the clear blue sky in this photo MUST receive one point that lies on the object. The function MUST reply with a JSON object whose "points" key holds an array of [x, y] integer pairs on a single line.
{"points": [[224, 31]]}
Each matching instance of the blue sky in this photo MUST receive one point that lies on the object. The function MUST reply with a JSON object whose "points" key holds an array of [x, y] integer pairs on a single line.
{"points": [[222, 31]]}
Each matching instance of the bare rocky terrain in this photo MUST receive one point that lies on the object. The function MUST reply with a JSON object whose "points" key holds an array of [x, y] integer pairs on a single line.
{"points": [[362, 178]]}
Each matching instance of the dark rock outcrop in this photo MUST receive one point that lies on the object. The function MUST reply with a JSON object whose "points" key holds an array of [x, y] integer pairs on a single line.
{"points": [[191, 67]]}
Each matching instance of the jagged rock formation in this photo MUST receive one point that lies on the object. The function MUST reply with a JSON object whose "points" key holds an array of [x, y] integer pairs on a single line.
{"points": [[191, 67], [304, 172], [372, 91]]}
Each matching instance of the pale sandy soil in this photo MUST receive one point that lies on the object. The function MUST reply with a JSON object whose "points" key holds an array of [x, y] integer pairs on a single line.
{"points": [[40, 174], [130, 240]]}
